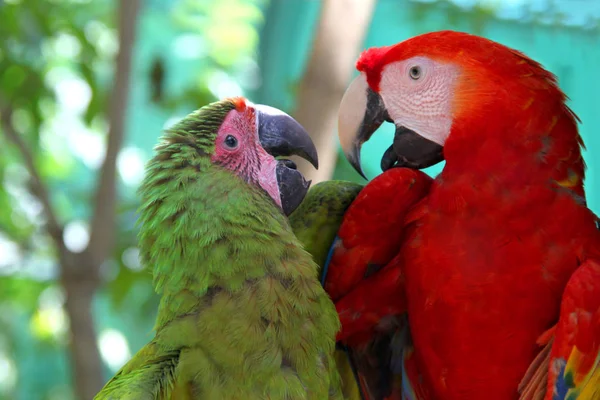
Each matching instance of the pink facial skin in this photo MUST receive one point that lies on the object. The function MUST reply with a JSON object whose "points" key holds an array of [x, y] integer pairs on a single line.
{"points": [[246, 157]]}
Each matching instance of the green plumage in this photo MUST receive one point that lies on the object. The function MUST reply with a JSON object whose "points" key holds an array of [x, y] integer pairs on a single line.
{"points": [[317, 220], [242, 313], [316, 223]]}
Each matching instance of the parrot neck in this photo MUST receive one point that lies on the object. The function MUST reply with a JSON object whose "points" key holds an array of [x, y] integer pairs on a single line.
{"points": [[524, 150], [206, 232], [241, 306]]}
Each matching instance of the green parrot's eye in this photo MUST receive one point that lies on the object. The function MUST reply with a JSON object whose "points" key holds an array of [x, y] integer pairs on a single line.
{"points": [[231, 142]]}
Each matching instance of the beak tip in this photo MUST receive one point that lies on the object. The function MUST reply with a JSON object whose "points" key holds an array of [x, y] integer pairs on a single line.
{"points": [[361, 173], [354, 159], [313, 157]]}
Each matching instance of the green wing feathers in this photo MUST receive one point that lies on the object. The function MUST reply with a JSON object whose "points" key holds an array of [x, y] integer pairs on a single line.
{"points": [[317, 220], [316, 223], [148, 375]]}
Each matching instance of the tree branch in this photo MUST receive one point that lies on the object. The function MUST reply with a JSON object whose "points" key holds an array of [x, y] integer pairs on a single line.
{"points": [[103, 222], [341, 31], [37, 187]]}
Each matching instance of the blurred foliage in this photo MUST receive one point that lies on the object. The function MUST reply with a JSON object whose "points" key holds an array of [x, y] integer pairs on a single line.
{"points": [[56, 66], [40, 43], [227, 34], [481, 12], [46, 48]]}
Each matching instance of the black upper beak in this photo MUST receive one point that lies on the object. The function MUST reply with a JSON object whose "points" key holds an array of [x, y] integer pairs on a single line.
{"points": [[281, 135], [362, 112]]}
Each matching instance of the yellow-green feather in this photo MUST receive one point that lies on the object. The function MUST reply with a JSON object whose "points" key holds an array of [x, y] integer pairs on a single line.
{"points": [[242, 313], [318, 218], [316, 223]]}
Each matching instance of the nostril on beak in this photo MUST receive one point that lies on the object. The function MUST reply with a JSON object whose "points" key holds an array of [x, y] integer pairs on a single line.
{"points": [[289, 163]]}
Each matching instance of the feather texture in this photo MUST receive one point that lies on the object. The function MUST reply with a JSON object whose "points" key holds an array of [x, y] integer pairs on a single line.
{"points": [[503, 247], [242, 314]]}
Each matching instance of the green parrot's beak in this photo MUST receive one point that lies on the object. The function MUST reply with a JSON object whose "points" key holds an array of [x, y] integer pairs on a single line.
{"points": [[361, 113], [281, 135]]}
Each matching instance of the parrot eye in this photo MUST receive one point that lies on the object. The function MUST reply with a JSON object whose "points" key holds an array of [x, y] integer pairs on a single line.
{"points": [[231, 142], [415, 72]]}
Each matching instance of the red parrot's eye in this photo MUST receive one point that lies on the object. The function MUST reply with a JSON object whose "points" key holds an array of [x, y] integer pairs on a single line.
{"points": [[415, 72]]}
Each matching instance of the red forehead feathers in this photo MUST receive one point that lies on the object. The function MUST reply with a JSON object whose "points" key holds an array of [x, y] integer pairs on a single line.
{"points": [[240, 103], [467, 50], [370, 62], [243, 106]]}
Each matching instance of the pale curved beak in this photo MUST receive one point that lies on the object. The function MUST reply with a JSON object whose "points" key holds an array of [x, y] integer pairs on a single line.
{"points": [[361, 112]]}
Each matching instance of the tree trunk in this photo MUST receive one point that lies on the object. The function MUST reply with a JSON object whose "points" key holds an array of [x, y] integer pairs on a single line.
{"points": [[80, 281], [85, 356], [80, 272], [103, 223], [340, 34]]}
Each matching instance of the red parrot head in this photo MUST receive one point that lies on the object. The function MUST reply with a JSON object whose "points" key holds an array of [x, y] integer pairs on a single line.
{"points": [[448, 87]]}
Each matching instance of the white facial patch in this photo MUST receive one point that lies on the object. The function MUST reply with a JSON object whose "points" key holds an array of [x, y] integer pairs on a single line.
{"points": [[418, 95]]}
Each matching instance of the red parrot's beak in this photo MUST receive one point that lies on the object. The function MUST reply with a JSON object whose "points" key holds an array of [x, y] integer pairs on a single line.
{"points": [[361, 113]]}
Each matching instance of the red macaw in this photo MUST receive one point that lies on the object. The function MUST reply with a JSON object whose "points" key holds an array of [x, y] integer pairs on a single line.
{"points": [[497, 260]]}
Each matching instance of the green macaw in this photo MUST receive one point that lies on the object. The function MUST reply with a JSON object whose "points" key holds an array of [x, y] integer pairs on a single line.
{"points": [[242, 313]]}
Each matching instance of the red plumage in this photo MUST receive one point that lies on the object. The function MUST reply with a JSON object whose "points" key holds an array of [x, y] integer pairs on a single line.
{"points": [[368, 239], [502, 247], [369, 235]]}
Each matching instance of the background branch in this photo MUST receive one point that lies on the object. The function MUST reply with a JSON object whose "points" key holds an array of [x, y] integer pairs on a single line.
{"points": [[340, 34], [37, 187], [103, 222]]}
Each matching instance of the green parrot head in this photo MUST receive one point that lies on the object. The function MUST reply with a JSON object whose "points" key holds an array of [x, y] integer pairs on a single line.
{"points": [[245, 138], [213, 190]]}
